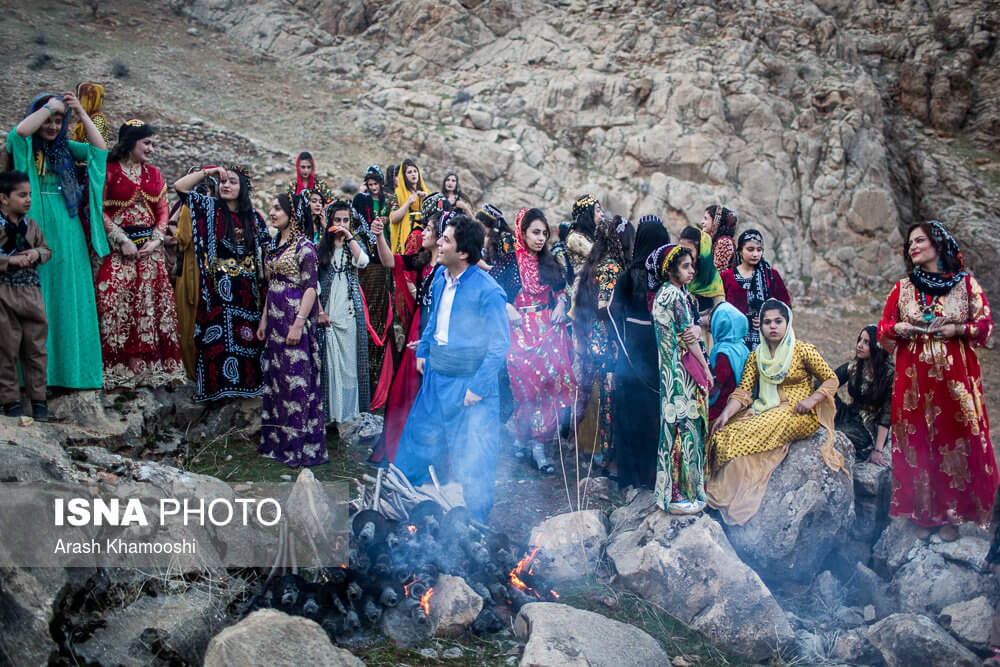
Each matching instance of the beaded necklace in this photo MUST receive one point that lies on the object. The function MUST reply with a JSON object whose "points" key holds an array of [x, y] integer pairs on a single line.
{"points": [[340, 265], [928, 304]]}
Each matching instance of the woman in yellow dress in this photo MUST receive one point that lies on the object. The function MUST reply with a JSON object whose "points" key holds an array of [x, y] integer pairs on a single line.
{"points": [[743, 452]]}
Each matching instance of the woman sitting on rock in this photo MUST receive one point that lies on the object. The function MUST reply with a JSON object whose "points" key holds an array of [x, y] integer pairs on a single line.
{"points": [[728, 356], [864, 414], [752, 282], [743, 452], [685, 380], [943, 467]]}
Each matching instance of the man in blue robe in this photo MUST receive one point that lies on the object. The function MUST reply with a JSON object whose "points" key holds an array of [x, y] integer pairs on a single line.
{"points": [[456, 415]]}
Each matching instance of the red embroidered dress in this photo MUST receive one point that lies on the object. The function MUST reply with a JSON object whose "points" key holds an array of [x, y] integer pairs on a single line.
{"points": [[943, 467], [135, 299], [538, 362]]}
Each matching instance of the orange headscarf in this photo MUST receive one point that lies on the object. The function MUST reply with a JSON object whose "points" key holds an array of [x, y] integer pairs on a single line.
{"points": [[91, 96]]}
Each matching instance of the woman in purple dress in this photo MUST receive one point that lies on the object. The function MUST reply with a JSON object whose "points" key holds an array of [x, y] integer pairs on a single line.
{"points": [[292, 417]]}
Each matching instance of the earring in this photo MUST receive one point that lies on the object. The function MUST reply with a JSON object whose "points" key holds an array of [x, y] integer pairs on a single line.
{"points": [[940, 265]]}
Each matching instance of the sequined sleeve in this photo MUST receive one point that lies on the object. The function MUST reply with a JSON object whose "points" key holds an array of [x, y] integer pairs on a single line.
{"points": [[980, 324], [607, 278]]}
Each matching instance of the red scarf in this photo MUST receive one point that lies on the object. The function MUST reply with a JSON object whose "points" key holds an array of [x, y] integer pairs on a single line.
{"points": [[299, 185], [527, 263]]}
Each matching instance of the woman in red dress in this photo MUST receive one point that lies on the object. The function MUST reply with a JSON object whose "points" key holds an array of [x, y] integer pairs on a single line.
{"points": [[539, 365], [135, 299], [943, 468]]}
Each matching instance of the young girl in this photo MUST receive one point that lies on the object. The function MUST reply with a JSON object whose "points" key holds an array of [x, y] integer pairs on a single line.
{"points": [[728, 356], [292, 411], [680, 461]]}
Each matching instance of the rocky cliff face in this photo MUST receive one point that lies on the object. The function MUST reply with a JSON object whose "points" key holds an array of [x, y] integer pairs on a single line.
{"points": [[830, 126]]}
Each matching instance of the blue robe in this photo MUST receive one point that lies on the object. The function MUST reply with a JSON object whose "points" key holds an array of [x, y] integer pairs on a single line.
{"points": [[440, 427]]}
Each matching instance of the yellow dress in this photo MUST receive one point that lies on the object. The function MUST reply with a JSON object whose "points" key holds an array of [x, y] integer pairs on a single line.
{"points": [[742, 456], [186, 290]]}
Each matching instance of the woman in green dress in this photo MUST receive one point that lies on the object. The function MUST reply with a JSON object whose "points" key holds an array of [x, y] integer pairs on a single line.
{"points": [[39, 147]]}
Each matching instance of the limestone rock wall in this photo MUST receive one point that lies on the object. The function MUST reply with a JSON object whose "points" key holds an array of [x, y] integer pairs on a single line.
{"points": [[828, 126]]}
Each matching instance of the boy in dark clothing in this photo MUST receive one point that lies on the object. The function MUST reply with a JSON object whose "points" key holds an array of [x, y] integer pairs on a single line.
{"points": [[22, 309]]}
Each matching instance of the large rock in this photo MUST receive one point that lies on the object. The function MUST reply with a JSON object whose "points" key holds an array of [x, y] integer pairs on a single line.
{"points": [[361, 429], [269, 637], [872, 493], [807, 511], [905, 640], [969, 621], [573, 541], [453, 606], [687, 566], [560, 635], [165, 627]]}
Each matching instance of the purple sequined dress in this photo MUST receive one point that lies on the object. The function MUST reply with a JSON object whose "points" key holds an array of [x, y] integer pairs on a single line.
{"points": [[292, 418]]}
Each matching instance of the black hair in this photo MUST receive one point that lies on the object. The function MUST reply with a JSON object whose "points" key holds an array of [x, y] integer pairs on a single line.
{"points": [[9, 180], [584, 223], [493, 230], [245, 215], [549, 271], [675, 261], [727, 221], [626, 236], [775, 304], [606, 245], [305, 155], [879, 362], [469, 237], [390, 177], [458, 185], [949, 262], [306, 222], [128, 137], [324, 253], [408, 162], [690, 233]]}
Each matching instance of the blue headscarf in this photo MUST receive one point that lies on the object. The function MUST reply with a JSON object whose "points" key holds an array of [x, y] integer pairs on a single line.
{"points": [[729, 326], [58, 158]]}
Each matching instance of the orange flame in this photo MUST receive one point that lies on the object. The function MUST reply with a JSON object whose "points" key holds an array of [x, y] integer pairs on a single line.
{"points": [[515, 574], [407, 587], [425, 601], [412, 529], [554, 594]]}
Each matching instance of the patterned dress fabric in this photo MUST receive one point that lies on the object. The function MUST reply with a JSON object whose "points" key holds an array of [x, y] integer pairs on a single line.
{"points": [[943, 468], [680, 461], [778, 426], [602, 355], [229, 305], [135, 298], [344, 344], [292, 429], [538, 362]]}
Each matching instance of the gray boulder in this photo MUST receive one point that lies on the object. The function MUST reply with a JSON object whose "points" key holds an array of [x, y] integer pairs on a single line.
{"points": [[872, 493], [167, 627], [573, 541], [558, 635], [970, 621], [273, 638], [453, 606], [906, 640], [807, 511], [687, 566]]}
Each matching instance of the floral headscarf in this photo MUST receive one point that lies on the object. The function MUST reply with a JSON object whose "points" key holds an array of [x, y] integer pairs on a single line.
{"points": [[937, 284], [57, 157], [527, 262]]}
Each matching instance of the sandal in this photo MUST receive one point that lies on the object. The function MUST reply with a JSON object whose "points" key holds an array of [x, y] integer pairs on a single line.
{"points": [[538, 453]]}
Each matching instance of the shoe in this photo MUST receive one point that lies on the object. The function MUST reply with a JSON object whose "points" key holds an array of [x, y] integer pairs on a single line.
{"points": [[40, 411], [538, 454], [13, 409], [686, 506]]}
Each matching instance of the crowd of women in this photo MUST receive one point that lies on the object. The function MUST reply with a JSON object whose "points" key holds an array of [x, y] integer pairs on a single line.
{"points": [[675, 365]]}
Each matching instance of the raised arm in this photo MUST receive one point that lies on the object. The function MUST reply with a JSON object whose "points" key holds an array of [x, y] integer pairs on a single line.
{"points": [[94, 135], [30, 124]]}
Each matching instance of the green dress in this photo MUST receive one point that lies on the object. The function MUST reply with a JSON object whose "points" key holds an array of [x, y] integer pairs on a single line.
{"points": [[680, 461], [74, 341]]}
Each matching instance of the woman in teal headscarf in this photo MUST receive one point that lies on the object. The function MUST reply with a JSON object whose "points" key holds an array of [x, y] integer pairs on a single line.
{"points": [[728, 355], [39, 147]]}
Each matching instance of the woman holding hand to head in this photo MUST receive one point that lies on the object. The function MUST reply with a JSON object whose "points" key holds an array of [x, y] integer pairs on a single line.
{"points": [[229, 237], [943, 468], [40, 148]]}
